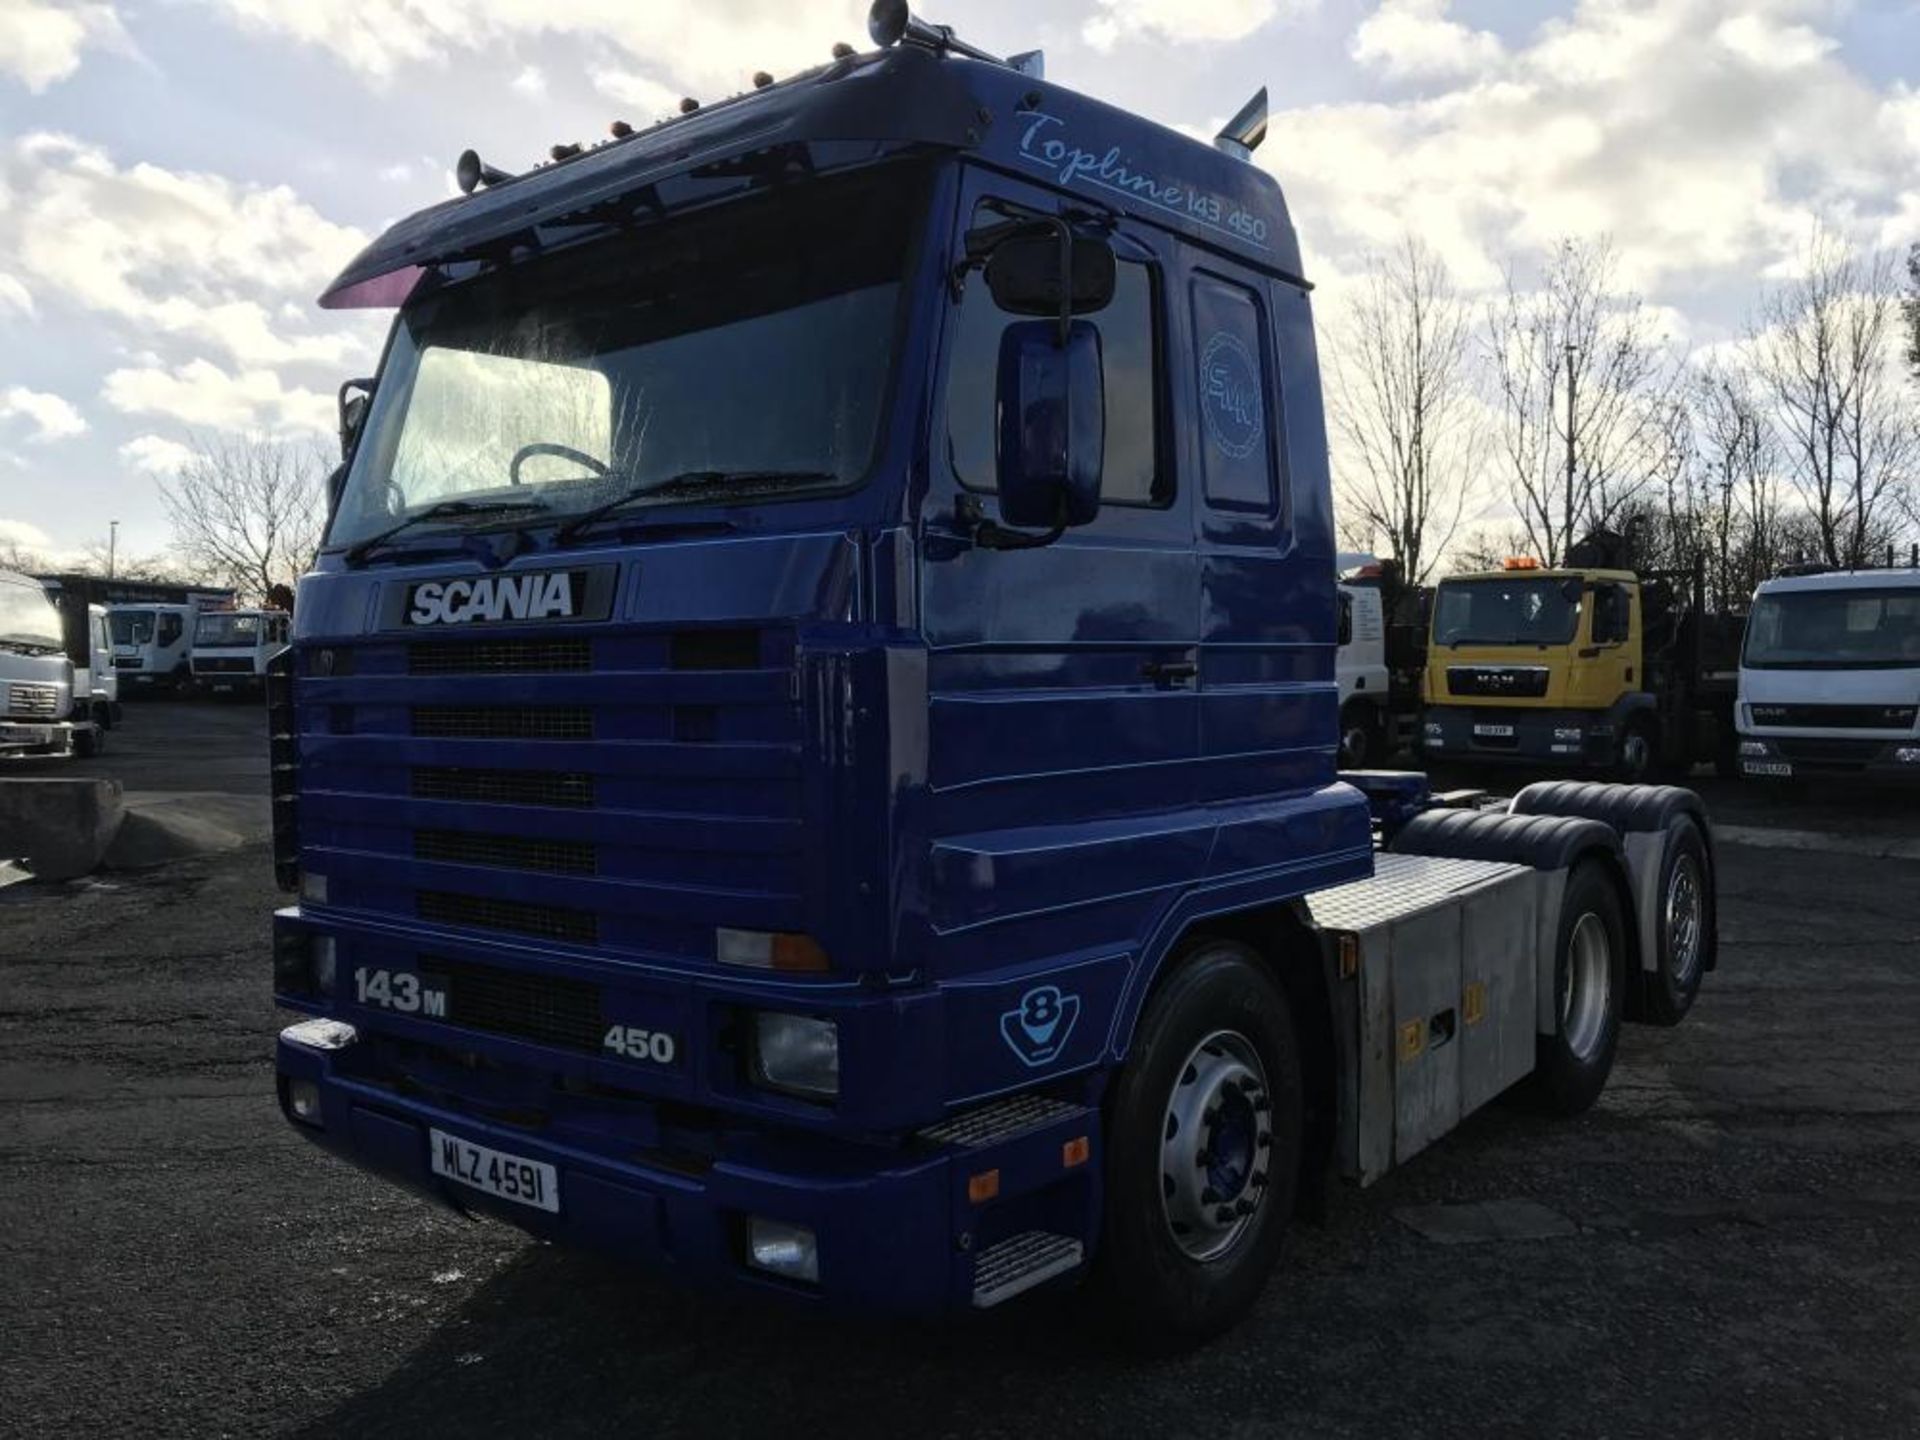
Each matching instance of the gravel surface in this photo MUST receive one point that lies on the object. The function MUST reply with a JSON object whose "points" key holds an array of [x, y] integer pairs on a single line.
{"points": [[1729, 1244]]}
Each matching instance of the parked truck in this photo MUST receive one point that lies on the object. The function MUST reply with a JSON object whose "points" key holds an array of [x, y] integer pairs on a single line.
{"points": [[807, 761], [1380, 661], [232, 649], [1589, 665], [1830, 677], [153, 646], [42, 709]]}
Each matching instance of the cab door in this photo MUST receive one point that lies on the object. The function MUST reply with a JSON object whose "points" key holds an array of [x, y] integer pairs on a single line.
{"points": [[1062, 680]]}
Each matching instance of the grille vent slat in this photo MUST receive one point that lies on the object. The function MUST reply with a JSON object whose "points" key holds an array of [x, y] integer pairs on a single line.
{"points": [[506, 852], [501, 722], [570, 789], [499, 657], [545, 922], [547, 1009]]}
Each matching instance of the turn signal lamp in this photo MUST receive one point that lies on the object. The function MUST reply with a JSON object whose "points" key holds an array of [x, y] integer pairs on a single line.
{"points": [[764, 950]]}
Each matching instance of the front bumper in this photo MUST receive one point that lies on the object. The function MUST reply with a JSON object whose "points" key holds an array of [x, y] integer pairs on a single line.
{"points": [[1827, 757], [898, 1226], [1497, 733], [36, 735]]}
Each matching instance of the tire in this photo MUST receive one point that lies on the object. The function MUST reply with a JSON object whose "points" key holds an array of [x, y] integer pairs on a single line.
{"points": [[1204, 1131], [1685, 927], [1360, 742], [1634, 759], [90, 742], [1590, 978]]}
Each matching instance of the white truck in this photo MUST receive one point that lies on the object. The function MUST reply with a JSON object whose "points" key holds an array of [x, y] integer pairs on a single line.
{"points": [[1379, 701], [232, 648], [1830, 677], [153, 646], [38, 715]]}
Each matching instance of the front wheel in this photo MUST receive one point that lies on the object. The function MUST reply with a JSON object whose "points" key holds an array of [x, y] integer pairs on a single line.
{"points": [[1635, 756], [1685, 924], [1359, 737], [1203, 1150]]}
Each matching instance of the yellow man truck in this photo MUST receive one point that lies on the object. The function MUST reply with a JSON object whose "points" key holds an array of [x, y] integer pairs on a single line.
{"points": [[1585, 666]]}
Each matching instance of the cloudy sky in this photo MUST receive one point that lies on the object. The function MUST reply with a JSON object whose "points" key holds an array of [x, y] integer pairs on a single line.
{"points": [[179, 178]]}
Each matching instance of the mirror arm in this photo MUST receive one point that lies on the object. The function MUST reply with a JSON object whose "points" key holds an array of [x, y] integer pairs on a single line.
{"points": [[992, 535]]}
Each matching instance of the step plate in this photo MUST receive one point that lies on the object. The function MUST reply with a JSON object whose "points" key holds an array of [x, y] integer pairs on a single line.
{"points": [[1001, 1120], [1018, 1264]]}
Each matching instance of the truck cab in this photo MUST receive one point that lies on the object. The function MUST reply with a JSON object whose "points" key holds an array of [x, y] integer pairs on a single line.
{"points": [[807, 759], [1830, 678], [153, 645], [37, 709], [233, 648]]}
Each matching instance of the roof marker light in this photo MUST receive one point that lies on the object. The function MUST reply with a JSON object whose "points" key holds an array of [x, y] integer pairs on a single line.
{"points": [[761, 79], [688, 104]]}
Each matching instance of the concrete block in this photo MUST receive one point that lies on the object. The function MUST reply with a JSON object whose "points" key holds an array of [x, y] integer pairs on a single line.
{"points": [[59, 825]]}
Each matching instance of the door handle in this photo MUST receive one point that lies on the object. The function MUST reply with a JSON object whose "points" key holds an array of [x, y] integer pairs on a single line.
{"points": [[1169, 672]]}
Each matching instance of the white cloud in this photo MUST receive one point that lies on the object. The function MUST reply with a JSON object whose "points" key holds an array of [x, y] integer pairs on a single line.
{"points": [[530, 82], [155, 454], [41, 40], [1636, 120], [50, 417], [648, 98], [1407, 39], [24, 535], [177, 254], [707, 43], [200, 393], [14, 296], [1208, 21]]}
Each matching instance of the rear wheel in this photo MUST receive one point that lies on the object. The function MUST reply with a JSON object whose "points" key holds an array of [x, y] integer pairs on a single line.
{"points": [[1685, 924], [1590, 973], [1203, 1150]]}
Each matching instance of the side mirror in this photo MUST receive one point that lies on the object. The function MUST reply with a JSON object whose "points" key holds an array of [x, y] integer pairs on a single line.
{"points": [[1034, 273], [356, 397], [1053, 424], [1345, 636]]}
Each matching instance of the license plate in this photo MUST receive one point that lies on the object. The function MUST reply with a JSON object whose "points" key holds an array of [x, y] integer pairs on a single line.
{"points": [[27, 734], [1494, 732], [1766, 767], [525, 1182]]}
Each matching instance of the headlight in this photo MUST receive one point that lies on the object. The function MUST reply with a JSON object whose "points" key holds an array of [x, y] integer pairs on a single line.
{"points": [[303, 1101], [1908, 755], [797, 1054]]}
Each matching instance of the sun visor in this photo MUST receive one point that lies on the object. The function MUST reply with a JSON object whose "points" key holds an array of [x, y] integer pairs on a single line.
{"points": [[904, 97]]}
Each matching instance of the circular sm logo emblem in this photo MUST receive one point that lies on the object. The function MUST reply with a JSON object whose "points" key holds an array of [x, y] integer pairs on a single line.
{"points": [[1230, 395]]}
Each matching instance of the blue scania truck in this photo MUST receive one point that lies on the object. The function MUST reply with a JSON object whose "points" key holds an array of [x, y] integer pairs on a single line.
{"points": [[807, 761]]}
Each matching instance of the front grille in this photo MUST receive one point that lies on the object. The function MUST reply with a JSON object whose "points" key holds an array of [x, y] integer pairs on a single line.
{"points": [[506, 852], [240, 665], [573, 789], [715, 650], [544, 922], [40, 701], [489, 722], [499, 657], [128, 662], [1826, 754], [1837, 717], [1522, 682], [544, 1009]]}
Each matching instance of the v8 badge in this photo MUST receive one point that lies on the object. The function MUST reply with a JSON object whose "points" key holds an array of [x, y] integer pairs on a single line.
{"points": [[1038, 1027]]}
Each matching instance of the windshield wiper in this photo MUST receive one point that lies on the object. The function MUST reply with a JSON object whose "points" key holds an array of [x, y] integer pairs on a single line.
{"points": [[686, 482], [441, 510], [31, 644]]}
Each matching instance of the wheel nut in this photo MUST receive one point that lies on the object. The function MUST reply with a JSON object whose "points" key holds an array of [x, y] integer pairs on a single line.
{"points": [[1243, 1207], [1258, 1181], [1265, 1142], [1262, 1103]]}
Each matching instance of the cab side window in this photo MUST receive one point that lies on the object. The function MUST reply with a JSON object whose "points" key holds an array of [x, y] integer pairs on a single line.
{"points": [[1612, 612], [169, 629], [1131, 472], [1237, 449]]}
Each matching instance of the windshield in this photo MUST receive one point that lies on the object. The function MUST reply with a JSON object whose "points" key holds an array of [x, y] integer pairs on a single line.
{"points": [[27, 616], [1835, 630], [227, 630], [758, 338], [1504, 612], [132, 627]]}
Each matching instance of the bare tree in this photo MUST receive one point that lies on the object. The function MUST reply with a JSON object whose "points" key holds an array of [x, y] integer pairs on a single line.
{"points": [[1823, 345], [247, 510], [1739, 487], [22, 559], [1402, 403], [1584, 387], [1910, 311]]}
